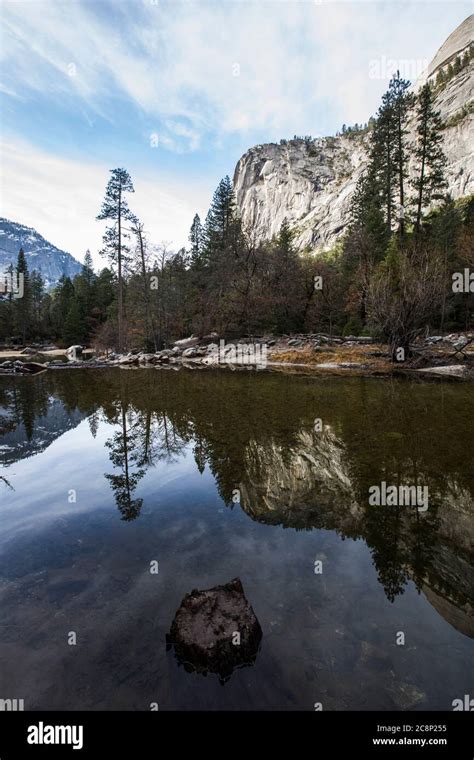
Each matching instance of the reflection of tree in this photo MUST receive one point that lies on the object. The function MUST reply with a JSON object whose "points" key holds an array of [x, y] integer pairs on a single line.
{"points": [[389, 551], [27, 400], [236, 422], [124, 449], [7, 483], [93, 421], [143, 438]]}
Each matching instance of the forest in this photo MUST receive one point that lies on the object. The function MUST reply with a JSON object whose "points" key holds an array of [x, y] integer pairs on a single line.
{"points": [[390, 276]]}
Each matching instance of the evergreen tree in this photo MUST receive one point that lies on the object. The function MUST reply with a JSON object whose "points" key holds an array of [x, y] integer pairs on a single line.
{"points": [[63, 296], [365, 243], [37, 295], [88, 269], [196, 241], [382, 158], [74, 329], [440, 78], [430, 180], [115, 208], [22, 306], [401, 100], [221, 222]]}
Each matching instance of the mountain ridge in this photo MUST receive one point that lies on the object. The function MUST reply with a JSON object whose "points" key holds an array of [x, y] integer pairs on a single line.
{"points": [[40, 254]]}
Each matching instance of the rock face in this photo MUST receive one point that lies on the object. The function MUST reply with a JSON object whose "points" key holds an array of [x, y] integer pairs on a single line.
{"points": [[310, 182], [216, 630], [40, 255]]}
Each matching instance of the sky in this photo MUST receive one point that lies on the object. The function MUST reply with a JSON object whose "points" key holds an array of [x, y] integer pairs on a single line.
{"points": [[177, 91]]}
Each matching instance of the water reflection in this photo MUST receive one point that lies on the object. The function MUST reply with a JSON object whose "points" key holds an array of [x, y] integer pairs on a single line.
{"points": [[257, 436]]}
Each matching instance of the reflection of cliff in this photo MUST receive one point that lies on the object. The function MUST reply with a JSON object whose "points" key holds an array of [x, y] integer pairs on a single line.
{"points": [[308, 486], [311, 486], [256, 432]]}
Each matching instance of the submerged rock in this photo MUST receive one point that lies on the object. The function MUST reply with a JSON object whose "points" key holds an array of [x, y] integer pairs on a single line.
{"points": [[215, 630]]}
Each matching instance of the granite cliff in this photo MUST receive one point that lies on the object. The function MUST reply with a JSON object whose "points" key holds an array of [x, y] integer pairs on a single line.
{"points": [[310, 181]]}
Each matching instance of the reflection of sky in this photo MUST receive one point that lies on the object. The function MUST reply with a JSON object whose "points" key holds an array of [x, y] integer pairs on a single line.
{"points": [[79, 567], [74, 461]]}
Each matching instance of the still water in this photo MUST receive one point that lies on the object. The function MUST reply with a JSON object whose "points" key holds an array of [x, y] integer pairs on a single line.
{"points": [[216, 475]]}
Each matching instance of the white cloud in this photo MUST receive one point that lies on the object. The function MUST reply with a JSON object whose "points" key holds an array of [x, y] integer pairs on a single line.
{"points": [[61, 198], [298, 63], [200, 73]]}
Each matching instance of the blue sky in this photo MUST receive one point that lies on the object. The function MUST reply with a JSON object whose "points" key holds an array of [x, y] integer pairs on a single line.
{"points": [[177, 91]]}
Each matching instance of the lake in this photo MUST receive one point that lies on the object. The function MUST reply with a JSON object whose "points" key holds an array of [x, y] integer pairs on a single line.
{"points": [[213, 475]]}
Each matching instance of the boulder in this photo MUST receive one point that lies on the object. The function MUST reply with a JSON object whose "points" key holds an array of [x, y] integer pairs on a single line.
{"points": [[147, 358], [127, 359], [215, 630], [187, 342], [211, 338], [74, 352]]}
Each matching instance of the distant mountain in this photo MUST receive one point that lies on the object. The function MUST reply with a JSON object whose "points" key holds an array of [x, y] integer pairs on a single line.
{"points": [[40, 255]]}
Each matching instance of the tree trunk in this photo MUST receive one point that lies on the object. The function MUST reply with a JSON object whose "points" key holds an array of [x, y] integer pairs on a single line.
{"points": [[119, 267]]}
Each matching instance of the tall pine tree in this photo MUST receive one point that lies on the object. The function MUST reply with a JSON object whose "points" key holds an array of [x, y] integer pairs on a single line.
{"points": [[401, 100], [222, 226], [115, 209], [196, 241], [429, 182], [22, 305]]}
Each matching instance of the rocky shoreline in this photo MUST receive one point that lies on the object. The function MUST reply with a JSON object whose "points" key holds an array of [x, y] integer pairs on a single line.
{"points": [[443, 356]]}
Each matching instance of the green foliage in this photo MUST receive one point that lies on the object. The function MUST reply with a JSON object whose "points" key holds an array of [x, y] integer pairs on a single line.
{"points": [[22, 306], [429, 183]]}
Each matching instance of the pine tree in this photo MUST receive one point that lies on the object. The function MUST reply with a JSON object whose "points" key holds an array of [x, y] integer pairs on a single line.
{"points": [[73, 331], [401, 100], [22, 305], [365, 243], [382, 158], [196, 241], [63, 296], [88, 269], [221, 222], [430, 180], [115, 208], [37, 295]]}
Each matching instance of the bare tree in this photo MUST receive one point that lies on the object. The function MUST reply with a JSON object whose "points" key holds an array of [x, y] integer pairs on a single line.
{"points": [[405, 294]]}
